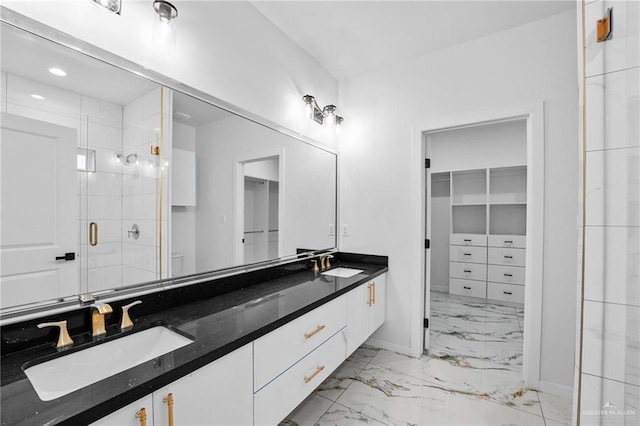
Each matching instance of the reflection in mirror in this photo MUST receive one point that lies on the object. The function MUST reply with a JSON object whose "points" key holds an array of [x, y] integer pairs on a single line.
{"points": [[110, 180]]}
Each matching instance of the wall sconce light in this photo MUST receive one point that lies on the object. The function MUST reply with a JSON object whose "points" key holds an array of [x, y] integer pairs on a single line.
{"points": [[321, 116], [164, 25], [111, 5]]}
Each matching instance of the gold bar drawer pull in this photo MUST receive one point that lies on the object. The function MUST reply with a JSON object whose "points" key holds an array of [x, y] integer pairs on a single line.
{"points": [[142, 416], [318, 329], [169, 401], [307, 379]]}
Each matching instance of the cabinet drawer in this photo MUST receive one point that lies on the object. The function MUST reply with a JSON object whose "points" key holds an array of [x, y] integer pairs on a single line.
{"points": [[505, 292], [468, 271], [468, 254], [275, 352], [506, 274], [468, 240], [272, 403], [468, 287], [506, 256], [513, 241]]}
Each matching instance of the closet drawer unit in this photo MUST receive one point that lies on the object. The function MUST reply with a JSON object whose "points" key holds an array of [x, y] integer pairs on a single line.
{"points": [[469, 240], [505, 292], [468, 271], [468, 287], [506, 274], [512, 241], [272, 403], [506, 256], [468, 254], [275, 352]]}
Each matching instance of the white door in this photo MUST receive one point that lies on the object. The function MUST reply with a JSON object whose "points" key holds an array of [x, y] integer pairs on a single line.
{"points": [[39, 210]]}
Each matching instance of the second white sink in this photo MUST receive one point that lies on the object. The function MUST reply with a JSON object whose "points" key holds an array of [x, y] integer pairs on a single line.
{"points": [[343, 272], [63, 375]]}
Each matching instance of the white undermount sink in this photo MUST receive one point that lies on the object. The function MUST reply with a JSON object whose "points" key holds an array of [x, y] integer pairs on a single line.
{"points": [[343, 272], [63, 375]]}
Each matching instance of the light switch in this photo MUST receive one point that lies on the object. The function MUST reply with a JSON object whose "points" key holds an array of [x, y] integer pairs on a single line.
{"points": [[345, 230], [332, 229]]}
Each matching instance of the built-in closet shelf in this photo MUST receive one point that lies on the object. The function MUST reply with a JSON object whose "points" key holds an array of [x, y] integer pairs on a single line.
{"points": [[488, 233]]}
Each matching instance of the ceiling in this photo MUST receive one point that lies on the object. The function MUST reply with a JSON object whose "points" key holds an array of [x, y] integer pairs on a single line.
{"points": [[351, 37]]}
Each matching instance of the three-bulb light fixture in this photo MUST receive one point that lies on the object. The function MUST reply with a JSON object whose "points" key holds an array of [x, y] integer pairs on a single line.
{"points": [[164, 25], [321, 116]]}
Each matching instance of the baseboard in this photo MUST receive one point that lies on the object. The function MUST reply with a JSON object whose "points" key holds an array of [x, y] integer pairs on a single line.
{"points": [[382, 344], [439, 289], [556, 389]]}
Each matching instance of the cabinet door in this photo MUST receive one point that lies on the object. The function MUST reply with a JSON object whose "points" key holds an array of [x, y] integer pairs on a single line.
{"points": [[220, 393], [357, 317], [131, 415], [377, 312]]}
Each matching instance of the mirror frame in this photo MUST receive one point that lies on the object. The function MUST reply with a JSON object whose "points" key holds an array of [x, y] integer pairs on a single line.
{"points": [[48, 307]]}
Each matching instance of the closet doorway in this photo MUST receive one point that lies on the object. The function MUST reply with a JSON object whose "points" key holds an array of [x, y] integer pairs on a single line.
{"points": [[480, 190]]}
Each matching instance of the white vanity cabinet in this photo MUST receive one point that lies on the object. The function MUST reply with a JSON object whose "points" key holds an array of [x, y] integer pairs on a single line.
{"points": [[262, 382], [291, 361], [139, 413], [366, 312], [219, 393]]}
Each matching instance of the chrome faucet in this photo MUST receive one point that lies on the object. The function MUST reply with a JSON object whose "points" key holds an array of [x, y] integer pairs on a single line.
{"points": [[98, 312]]}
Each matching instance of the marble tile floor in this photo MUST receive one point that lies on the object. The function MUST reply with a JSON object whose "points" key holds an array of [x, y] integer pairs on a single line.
{"points": [[471, 376]]}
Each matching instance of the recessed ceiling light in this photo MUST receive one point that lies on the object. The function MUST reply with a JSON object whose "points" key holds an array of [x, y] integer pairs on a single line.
{"points": [[57, 71], [38, 97]]}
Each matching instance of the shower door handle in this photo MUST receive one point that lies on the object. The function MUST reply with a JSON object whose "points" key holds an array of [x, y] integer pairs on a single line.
{"points": [[93, 233]]}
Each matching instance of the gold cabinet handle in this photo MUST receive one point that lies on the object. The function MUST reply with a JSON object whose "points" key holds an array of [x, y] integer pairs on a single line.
{"points": [[307, 379], [142, 416], [169, 401], [93, 233], [373, 302], [369, 302], [318, 328]]}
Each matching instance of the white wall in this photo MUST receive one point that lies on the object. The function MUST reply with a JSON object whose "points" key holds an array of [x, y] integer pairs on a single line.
{"points": [[226, 49], [379, 172], [495, 145], [306, 187], [183, 218]]}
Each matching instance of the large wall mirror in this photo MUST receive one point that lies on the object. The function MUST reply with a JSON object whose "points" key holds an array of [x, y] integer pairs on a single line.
{"points": [[110, 179]]}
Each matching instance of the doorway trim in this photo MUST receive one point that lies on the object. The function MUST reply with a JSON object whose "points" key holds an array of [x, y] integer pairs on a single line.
{"points": [[533, 114], [238, 202]]}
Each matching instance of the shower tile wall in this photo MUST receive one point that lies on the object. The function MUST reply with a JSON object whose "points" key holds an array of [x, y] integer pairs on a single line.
{"points": [[99, 124], [611, 337], [141, 189]]}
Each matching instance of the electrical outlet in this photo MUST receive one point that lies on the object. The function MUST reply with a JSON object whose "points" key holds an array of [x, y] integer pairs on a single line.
{"points": [[345, 230], [332, 230], [223, 218]]}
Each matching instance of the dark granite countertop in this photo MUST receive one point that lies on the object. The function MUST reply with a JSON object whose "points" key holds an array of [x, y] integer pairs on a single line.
{"points": [[220, 316]]}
